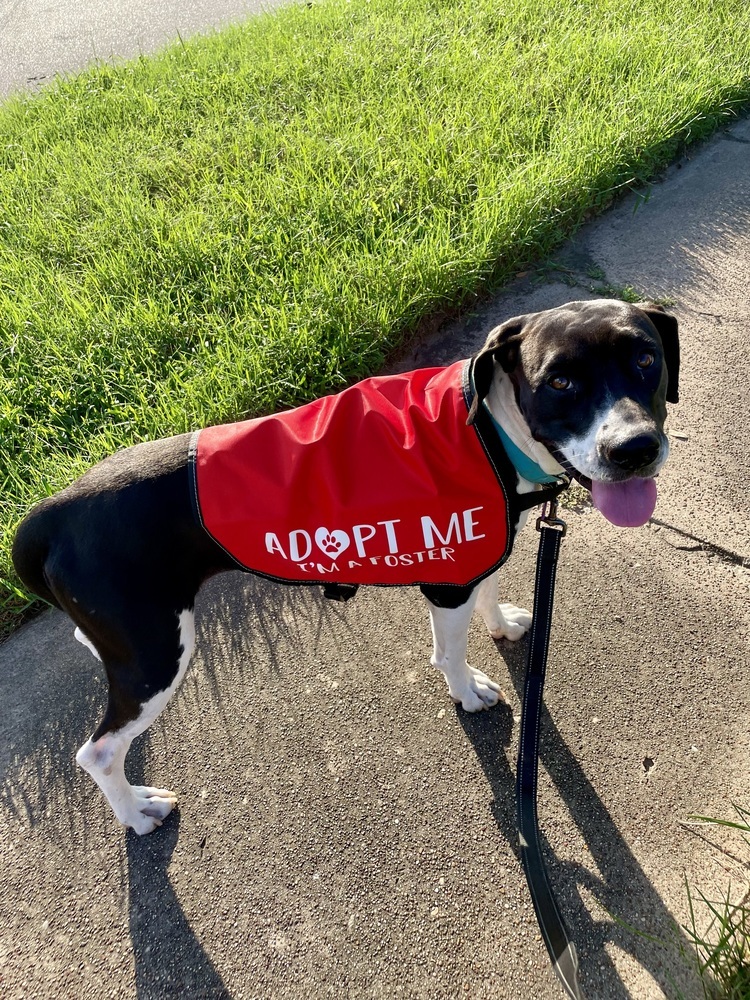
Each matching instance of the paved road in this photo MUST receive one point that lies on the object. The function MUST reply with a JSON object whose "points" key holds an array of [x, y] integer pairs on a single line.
{"points": [[39, 38], [343, 830]]}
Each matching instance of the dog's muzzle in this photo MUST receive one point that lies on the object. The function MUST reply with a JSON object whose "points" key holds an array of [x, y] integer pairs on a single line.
{"points": [[634, 454]]}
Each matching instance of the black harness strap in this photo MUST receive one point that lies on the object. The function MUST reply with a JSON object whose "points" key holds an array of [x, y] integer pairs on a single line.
{"points": [[561, 949]]}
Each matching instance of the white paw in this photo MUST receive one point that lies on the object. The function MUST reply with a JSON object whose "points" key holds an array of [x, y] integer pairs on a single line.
{"points": [[149, 808], [477, 692], [509, 623]]}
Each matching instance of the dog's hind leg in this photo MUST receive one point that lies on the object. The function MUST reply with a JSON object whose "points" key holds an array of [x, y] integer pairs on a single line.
{"points": [[141, 682], [503, 621], [469, 687], [82, 637]]}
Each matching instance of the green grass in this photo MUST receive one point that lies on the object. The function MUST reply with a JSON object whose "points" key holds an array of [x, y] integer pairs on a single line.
{"points": [[251, 219], [722, 947]]}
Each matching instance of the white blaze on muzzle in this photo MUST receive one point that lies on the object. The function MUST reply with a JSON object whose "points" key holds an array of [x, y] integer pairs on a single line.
{"points": [[625, 498]]}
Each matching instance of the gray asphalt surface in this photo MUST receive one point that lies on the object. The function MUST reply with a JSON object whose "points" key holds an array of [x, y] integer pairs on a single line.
{"points": [[344, 830], [40, 38]]}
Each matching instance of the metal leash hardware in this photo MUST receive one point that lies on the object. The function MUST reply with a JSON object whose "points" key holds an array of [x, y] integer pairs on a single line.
{"points": [[551, 520], [561, 948]]}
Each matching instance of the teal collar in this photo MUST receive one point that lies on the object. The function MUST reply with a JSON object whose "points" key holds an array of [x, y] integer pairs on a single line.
{"points": [[525, 466]]}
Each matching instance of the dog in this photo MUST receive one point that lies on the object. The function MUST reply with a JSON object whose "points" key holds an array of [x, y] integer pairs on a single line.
{"points": [[579, 390]]}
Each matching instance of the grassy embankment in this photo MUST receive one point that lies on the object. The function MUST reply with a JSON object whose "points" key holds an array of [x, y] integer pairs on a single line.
{"points": [[251, 219]]}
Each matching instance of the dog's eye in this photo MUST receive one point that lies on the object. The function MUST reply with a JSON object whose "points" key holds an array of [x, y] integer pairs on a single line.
{"points": [[559, 382], [645, 360]]}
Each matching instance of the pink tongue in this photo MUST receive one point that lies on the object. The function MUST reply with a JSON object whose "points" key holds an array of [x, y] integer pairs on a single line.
{"points": [[629, 504]]}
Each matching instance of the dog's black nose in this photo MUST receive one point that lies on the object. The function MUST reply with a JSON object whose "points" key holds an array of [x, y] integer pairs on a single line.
{"points": [[635, 453]]}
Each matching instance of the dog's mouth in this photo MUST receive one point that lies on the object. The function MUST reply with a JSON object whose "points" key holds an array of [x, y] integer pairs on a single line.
{"points": [[628, 503]]}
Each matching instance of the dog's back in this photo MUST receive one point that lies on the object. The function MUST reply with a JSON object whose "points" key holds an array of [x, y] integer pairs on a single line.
{"points": [[85, 532]]}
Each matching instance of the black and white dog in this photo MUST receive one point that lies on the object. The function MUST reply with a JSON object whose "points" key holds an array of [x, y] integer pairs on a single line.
{"points": [[580, 389]]}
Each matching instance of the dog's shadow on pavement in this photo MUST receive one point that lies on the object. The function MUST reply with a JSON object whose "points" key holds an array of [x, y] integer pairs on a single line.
{"points": [[614, 879], [169, 959], [48, 712]]}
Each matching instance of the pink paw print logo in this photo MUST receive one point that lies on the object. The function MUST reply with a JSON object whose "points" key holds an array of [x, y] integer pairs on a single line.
{"points": [[333, 543]]}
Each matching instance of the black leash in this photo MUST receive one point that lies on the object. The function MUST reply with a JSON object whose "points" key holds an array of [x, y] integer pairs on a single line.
{"points": [[562, 950]]}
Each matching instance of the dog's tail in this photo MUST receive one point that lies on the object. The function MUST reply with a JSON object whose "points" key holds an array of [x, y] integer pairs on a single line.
{"points": [[30, 552]]}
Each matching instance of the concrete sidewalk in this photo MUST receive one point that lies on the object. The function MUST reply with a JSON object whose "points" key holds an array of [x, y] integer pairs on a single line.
{"points": [[344, 831]]}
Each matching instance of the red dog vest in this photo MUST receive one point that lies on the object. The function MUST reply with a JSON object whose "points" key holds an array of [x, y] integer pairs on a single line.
{"points": [[383, 483]]}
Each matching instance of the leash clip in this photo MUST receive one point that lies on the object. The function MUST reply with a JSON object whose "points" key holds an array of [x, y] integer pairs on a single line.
{"points": [[549, 518]]}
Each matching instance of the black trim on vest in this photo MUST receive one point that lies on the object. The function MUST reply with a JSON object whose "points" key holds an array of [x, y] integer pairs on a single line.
{"points": [[340, 591], [448, 595], [198, 514], [193, 474], [506, 472]]}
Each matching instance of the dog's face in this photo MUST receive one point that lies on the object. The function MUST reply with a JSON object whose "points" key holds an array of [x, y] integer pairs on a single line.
{"points": [[592, 380]]}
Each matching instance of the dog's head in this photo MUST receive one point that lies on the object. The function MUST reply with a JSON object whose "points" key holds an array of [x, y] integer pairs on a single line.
{"points": [[592, 380]]}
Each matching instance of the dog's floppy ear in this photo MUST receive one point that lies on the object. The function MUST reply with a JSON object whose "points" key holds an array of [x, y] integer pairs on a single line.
{"points": [[666, 327], [501, 345]]}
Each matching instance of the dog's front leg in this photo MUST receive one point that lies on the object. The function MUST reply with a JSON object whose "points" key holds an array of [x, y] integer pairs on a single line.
{"points": [[470, 688], [504, 621]]}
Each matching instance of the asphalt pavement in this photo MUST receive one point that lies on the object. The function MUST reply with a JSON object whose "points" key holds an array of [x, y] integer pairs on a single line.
{"points": [[42, 38], [343, 830]]}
